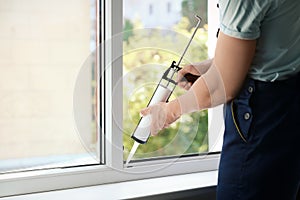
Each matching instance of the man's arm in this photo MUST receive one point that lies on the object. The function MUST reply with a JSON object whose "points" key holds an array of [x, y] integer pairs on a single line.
{"points": [[224, 78], [220, 84]]}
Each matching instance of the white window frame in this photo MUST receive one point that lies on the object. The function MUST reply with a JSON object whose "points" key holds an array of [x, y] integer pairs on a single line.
{"points": [[113, 170]]}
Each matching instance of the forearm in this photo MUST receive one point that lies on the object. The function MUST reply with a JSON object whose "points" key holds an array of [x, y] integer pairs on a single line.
{"points": [[208, 91]]}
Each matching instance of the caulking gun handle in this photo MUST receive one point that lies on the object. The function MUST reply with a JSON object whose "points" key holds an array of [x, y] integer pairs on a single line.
{"points": [[190, 77]]}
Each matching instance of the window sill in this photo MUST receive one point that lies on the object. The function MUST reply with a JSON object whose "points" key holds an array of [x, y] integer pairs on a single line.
{"points": [[130, 189]]}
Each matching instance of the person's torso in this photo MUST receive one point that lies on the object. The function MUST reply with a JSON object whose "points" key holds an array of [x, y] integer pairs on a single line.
{"points": [[277, 54]]}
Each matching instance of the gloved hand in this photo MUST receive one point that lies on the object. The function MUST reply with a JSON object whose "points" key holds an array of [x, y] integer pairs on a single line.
{"points": [[197, 69], [162, 115], [182, 82]]}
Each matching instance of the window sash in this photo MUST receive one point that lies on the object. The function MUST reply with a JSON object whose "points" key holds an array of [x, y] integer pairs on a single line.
{"points": [[81, 149]]}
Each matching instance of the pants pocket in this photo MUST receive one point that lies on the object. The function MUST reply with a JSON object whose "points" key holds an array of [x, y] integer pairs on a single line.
{"points": [[241, 117]]}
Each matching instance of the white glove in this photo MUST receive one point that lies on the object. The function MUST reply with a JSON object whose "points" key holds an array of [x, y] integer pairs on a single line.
{"points": [[197, 69], [162, 115]]}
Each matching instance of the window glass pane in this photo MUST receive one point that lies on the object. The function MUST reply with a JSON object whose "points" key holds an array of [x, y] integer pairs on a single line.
{"points": [[46, 52], [152, 40]]}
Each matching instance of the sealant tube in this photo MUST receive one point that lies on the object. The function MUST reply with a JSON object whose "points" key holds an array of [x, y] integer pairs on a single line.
{"points": [[142, 131]]}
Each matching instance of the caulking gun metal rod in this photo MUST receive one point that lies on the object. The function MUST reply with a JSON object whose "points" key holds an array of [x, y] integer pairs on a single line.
{"points": [[196, 28], [187, 46]]}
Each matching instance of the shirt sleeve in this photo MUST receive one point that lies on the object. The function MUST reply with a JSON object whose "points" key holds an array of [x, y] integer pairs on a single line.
{"points": [[242, 19]]}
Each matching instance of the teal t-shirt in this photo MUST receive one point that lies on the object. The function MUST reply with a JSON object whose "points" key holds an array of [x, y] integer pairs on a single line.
{"points": [[276, 26]]}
